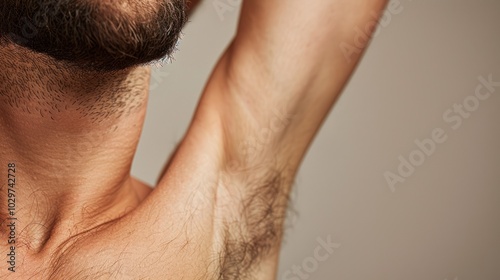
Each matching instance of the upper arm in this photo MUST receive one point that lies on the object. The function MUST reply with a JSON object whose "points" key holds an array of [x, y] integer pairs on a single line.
{"points": [[282, 74]]}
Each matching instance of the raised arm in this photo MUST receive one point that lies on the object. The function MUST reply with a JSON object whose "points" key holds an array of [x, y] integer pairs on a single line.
{"points": [[282, 73], [266, 100], [260, 110]]}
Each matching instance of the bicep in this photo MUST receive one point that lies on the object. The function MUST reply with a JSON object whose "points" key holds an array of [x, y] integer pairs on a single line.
{"points": [[283, 72]]}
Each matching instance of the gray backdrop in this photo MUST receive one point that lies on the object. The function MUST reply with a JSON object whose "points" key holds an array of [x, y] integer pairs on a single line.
{"points": [[441, 218]]}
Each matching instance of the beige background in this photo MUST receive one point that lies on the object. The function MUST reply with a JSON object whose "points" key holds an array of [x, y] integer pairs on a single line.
{"points": [[443, 222]]}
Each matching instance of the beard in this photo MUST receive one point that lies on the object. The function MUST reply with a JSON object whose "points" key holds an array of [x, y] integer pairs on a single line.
{"points": [[97, 35]]}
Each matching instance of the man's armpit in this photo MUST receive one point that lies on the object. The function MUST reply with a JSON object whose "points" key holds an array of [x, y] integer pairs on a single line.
{"points": [[252, 214]]}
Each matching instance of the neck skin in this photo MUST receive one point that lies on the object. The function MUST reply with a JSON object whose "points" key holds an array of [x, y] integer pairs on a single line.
{"points": [[72, 135]]}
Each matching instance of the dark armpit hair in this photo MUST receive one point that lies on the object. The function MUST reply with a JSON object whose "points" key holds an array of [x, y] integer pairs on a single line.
{"points": [[258, 230], [93, 34]]}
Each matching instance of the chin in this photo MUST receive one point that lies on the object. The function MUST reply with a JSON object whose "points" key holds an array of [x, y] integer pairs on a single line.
{"points": [[94, 35]]}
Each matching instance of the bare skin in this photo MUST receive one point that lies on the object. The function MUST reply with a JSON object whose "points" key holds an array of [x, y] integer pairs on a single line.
{"points": [[217, 212]]}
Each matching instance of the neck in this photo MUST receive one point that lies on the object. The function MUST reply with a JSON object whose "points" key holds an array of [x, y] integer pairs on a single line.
{"points": [[72, 136]]}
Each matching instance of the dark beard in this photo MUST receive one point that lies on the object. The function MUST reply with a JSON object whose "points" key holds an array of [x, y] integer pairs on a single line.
{"points": [[93, 34]]}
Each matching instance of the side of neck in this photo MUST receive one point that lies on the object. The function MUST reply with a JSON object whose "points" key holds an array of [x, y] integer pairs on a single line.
{"points": [[72, 135]]}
